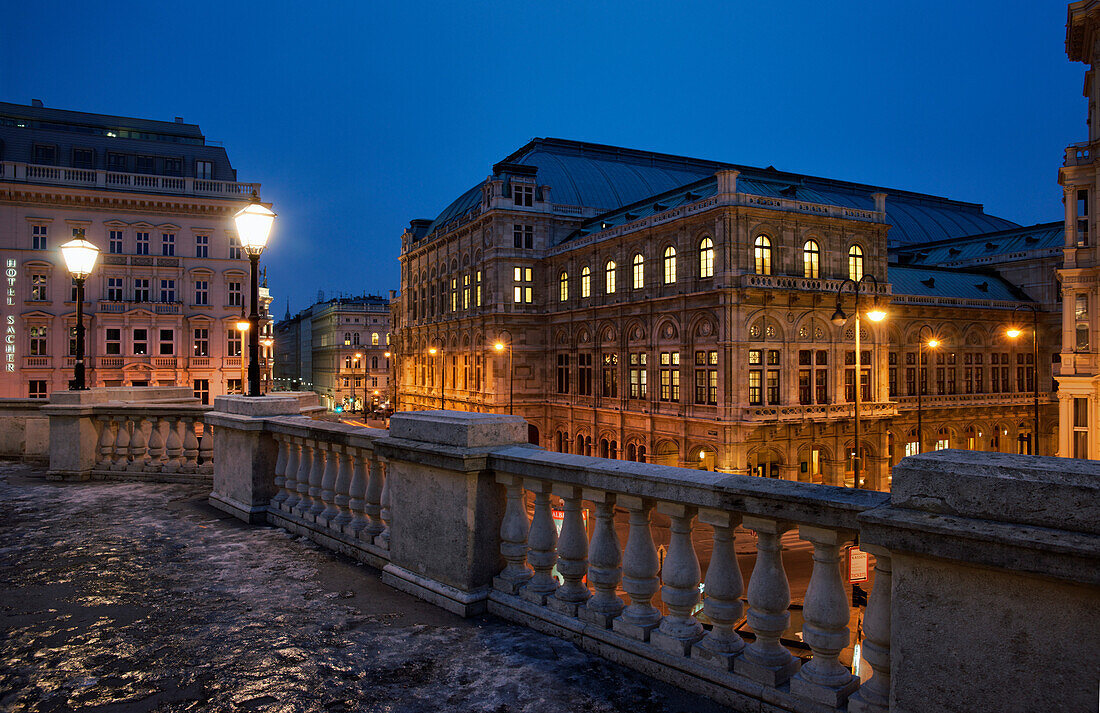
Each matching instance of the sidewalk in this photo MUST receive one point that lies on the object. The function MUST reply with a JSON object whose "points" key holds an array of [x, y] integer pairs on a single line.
{"points": [[140, 597]]}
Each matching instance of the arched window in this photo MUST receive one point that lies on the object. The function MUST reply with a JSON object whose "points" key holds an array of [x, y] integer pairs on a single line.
{"points": [[855, 262], [609, 276], [706, 258], [639, 271], [347, 362], [373, 339], [374, 362], [387, 338], [811, 259], [670, 265], [563, 289], [355, 339], [586, 282], [347, 339], [763, 254]]}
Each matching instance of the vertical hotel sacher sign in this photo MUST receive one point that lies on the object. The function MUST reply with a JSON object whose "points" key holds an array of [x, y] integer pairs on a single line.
{"points": [[11, 272]]}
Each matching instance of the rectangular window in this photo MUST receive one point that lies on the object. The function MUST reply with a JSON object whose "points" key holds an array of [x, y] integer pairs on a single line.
{"points": [[201, 343], [167, 290], [38, 288], [756, 393], [233, 386], [83, 158], [141, 342], [201, 388], [115, 243], [234, 247], [38, 341], [202, 245], [141, 289], [168, 244], [821, 386], [113, 341], [1081, 317], [805, 386], [940, 381], [37, 389], [610, 381], [465, 292], [39, 234], [72, 341], [233, 342], [454, 294], [522, 289], [584, 374], [563, 373], [670, 376], [235, 299], [114, 289], [523, 194], [173, 167], [638, 376], [706, 377], [1080, 428], [477, 292], [45, 155], [204, 169], [773, 386], [116, 162], [167, 342], [523, 236], [141, 243], [202, 292], [1082, 217], [145, 164]]}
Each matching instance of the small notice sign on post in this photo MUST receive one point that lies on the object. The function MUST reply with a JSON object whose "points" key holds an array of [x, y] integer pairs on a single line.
{"points": [[857, 565]]}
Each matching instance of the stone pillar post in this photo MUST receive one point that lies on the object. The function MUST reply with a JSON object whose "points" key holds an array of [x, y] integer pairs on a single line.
{"points": [[445, 506], [245, 454]]}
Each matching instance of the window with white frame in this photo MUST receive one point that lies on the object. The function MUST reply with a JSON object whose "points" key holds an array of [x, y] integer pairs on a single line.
{"points": [[202, 245], [762, 255], [234, 287], [168, 244], [141, 289], [232, 342], [204, 169], [38, 287], [522, 289], [112, 341], [706, 258], [141, 242], [670, 265], [38, 345], [202, 292], [167, 290], [200, 345], [141, 341], [114, 245], [639, 271], [234, 247], [167, 342], [37, 389], [114, 289], [523, 194], [39, 235]]}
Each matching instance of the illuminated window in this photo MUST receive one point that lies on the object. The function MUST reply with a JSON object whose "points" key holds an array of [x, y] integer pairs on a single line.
{"points": [[609, 277], [670, 265], [38, 288], [706, 258], [763, 255], [563, 287], [522, 288], [639, 271], [586, 282], [811, 260], [855, 262], [374, 339], [38, 341]]}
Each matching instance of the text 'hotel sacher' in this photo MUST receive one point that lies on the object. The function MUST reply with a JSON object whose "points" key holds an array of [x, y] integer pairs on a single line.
{"points": [[643, 306], [164, 299]]}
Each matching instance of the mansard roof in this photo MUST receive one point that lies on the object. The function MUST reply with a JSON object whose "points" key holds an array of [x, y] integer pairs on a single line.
{"points": [[976, 248], [616, 181], [945, 282]]}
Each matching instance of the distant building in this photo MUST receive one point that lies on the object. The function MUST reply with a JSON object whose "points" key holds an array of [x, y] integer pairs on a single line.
{"points": [[677, 310], [165, 296], [1079, 376], [337, 348]]}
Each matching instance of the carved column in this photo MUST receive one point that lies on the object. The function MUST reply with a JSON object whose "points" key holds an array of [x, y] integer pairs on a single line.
{"points": [[572, 553], [372, 496], [138, 448], [316, 475], [299, 502], [206, 449], [190, 445], [106, 443], [604, 563], [723, 589], [874, 695], [173, 446], [680, 589], [356, 490], [156, 446], [542, 541], [342, 498], [122, 444], [383, 538], [328, 485], [766, 660], [513, 537], [281, 465], [640, 567]]}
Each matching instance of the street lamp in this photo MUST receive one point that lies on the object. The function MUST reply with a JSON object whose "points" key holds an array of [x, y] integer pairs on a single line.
{"points": [[243, 326], [267, 343], [500, 346], [932, 343], [1014, 332], [393, 403], [253, 226], [80, 257], [442, 372], [358, 357], [875, 314]]}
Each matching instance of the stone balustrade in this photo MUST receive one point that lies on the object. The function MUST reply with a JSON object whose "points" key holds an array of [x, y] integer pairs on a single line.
{"points": [[167, 443], [985, 565]]}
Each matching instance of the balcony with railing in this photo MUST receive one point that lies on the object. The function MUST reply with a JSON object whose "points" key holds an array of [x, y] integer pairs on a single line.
{"points": [[114, 180], [1079, 154]]}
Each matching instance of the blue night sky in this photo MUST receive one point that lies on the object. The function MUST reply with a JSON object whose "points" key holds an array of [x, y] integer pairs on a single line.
{"points": [[359, 116]]}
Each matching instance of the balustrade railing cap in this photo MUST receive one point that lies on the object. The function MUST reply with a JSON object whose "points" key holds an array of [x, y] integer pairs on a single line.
{"points": [[1041, 491], [459, 428], [257, 406]]}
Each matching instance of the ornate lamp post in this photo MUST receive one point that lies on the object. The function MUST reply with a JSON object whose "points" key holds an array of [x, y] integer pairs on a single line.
{"points": [[243, 326], [442, 372], [501, 346], [875, 314], [253, 226], [932, 343], [393, 355], [359, 357], [1015, 332], [267, 343], [80, 257]]}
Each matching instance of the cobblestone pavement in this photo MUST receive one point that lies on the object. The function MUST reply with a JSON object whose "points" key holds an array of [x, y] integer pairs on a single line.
{"points": [[141, 597]]}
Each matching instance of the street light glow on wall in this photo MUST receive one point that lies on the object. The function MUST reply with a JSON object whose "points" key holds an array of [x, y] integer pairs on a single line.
{"points": [[80, 257], [500, 346], [253, 226]]}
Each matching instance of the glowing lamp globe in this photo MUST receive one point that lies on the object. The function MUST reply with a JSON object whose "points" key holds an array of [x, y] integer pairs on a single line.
{"points": [[1013, 332], [499, 346], [876, 314], [80, 257], [839, 318], [243, 324], [933, 343], [253, 226], [431, 350]]}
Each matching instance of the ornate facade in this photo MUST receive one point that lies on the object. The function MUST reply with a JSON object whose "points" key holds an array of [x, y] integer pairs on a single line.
{"points": [[171, 280], [674, 310]]}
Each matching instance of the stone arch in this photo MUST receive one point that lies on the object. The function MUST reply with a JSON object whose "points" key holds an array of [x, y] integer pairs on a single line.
{"points": [[703, 325], [667, 452], [766, 329], [811, 328], [667, 330], [635, 331], [702, 457]]}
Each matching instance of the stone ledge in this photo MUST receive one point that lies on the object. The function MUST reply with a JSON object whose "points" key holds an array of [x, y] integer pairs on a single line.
{"points": [[462, 429], [257, 406], [253, 515], [360, 550], [442, 595]]}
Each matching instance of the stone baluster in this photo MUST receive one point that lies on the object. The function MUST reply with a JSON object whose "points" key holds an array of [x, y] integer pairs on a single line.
{"points": [[138, 448], [106, 442], [680, 590], [341, 498], [542, 541], [156, 446], [604, 563], [513, 537], [309, 455], [293, 502], [724, 586], [190, 445], [280, 471], [206, 449], [825, 627], [640, 580], [572, 554], [316, 475], [122, 444], [874, 695], [372, 497], [173, 446], [766, 660], [356, 491], [382, 539], [328, 485]]}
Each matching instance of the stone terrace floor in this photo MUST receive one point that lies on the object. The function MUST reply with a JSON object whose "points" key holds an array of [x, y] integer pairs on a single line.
{"points": [[120, 596]]}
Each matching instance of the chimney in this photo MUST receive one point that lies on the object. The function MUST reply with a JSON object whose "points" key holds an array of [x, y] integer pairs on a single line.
{"points": [[880, 202], [179, 119], [36, 102], [727, 181]]}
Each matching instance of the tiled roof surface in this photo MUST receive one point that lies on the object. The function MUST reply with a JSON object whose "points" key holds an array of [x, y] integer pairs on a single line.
{"points": [[941, 282], [961, 250]]}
